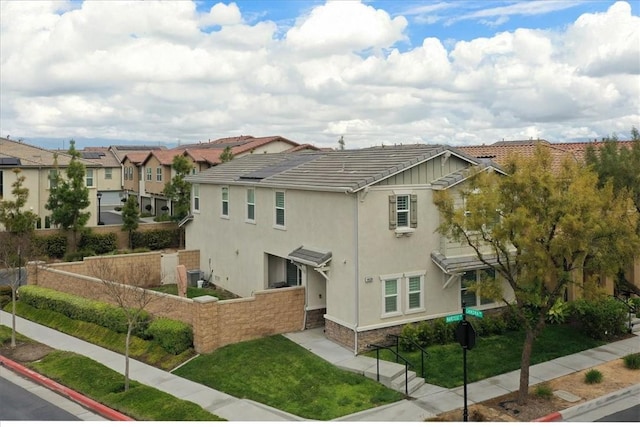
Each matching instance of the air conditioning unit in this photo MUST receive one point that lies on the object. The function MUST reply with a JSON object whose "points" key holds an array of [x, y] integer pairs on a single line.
{"points": [[193, 276]]}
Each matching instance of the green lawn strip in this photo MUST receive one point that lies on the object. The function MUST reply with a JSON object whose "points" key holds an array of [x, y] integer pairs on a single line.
{"points": [[145, 351], [192, 292], [5, 336], [493, 355], [106, 386], [279, 373]]}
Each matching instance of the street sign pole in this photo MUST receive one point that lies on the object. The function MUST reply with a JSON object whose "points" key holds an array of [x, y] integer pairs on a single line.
{"points": [[465, 412]]}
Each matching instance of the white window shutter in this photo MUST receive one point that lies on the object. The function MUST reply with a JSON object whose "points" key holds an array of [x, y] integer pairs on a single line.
{"points": [[414, 211]]}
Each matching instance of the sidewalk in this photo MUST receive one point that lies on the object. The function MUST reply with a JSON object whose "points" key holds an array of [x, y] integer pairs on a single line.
{"points": [[427, 401]]}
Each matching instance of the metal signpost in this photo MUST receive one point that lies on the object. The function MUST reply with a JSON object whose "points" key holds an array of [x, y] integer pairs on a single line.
{"points": [[466, 336]]}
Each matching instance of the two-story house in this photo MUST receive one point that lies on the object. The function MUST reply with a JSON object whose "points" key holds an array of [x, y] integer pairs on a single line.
{"points": [[37, 165], [357, 228]]}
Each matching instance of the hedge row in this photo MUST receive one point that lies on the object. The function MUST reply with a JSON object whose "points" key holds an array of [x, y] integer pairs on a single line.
{"points": [[172, 335], [156, 239]]}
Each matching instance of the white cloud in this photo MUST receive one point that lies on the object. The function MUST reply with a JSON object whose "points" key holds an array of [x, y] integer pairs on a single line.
{"points": [[161, 71]]}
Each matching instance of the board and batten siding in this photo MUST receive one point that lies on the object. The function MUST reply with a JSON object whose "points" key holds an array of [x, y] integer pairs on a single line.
{"points": [[427, 172]]}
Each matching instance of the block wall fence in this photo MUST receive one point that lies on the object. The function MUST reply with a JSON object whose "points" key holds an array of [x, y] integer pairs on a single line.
{"points": [[215, 323]]}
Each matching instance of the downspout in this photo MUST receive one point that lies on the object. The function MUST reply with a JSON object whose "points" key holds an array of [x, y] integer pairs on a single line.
{"points": [[357, 271]]}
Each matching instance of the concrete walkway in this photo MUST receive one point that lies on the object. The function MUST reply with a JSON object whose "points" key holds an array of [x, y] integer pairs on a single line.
{"points": [[427, 401]]}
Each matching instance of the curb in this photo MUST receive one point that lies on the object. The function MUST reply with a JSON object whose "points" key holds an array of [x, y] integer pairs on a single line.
{"points": [[585, 407], [81, 399]]}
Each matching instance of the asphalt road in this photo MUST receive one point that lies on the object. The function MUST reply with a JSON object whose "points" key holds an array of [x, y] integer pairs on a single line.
{"points": [[626, 415], [19, 404]]}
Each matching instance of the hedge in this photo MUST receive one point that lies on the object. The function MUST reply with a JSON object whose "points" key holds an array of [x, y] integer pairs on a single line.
{"points": [[601, 319], [156, 239], [97, 243], [172, 335], [53, 246]]}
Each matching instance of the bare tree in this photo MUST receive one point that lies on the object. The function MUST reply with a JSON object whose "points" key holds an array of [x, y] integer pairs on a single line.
{"points": [[127, 289]]}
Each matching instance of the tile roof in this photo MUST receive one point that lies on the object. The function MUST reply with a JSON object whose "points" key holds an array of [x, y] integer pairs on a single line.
{"points": [[106, 157], [135, 157], [32, 156], [338, 170]]}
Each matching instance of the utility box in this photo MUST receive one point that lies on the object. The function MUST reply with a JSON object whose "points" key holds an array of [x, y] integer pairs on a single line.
{"points": [[193, 276]]}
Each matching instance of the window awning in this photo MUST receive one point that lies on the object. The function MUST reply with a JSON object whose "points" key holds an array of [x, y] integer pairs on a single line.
{"points": [[456, 265], [313, 257]]}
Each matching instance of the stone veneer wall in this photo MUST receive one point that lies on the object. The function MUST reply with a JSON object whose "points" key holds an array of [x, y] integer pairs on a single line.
{"points": [[315, 318], [340, 334]]}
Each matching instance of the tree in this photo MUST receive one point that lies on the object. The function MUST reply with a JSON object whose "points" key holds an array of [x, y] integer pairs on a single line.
{"points": [[130, 217], [127, 289], [12, 216], [227, 155], [341, 143], [539, 229], [619, 166], [69, 197], [179, 190]]}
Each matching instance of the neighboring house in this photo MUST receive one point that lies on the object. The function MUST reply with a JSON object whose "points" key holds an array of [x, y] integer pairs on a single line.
{"points": [[355, 227], [110, 182], [38, 165], [499, 152], [155, 170]]}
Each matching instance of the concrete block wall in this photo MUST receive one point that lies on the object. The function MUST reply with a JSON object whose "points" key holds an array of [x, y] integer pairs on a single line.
{"points": [[190, 259]]}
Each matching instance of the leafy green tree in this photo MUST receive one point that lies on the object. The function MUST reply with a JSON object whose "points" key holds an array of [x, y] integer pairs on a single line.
{"points": [[130, 217], [539, 228], [69, 197], [179, 190], [12, 214], [227, 155]]}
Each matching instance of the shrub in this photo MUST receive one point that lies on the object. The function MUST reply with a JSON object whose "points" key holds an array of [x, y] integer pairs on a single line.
{"points": [[543, 391], [511, 320], [5, 295], [156, 239], [409, 336], [53, 246], [78, 256], [172, 335], [632, 361], [426, 334], [558, 313], [443, 332], [593, 376], [162, 218], [602, 318], [78, 308], [118, 208], [98, 243]]}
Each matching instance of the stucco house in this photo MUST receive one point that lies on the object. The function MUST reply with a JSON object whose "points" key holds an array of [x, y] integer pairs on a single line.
{"points": [[356, 228], [37, 165]]}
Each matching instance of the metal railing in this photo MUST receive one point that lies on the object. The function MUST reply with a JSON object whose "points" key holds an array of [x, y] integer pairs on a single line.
{"points": [[423, 352], [406, 364], [632, 309]]}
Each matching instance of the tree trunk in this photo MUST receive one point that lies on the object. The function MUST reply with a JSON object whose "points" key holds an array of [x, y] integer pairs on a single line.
{"points": [[126, 358], [13, 316], [525, 362]]}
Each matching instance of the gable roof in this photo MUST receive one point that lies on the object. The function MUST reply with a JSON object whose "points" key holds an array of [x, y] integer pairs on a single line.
{"points": [[32, 156], [340, 170]]}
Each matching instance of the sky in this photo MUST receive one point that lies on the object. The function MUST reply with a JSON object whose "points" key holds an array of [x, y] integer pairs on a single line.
{"points": [[374, 72]]}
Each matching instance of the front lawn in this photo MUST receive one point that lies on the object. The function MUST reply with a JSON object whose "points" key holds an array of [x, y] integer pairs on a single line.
{"points": [[279, 373], [493, 355]]}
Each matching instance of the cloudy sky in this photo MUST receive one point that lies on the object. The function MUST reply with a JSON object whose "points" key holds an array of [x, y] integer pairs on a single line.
{"points": [[452, 72]]}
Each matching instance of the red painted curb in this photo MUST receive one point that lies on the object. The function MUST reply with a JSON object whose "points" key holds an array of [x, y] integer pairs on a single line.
{"points": [[81, 399], [554, 416]]}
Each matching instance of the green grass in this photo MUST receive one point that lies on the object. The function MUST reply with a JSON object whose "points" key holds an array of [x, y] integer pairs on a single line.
{"points": [[279, 373], [193, 292], [145, 351], [493, 355], [106, 386]]}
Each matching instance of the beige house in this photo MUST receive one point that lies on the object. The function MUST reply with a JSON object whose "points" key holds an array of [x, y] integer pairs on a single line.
{"points": [[38, 165], [356, 228]]}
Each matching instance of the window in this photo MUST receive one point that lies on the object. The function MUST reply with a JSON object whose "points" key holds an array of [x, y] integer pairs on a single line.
{"points": [[294, 274], [89, 177], [225, 202], [1, 186], [251, 204], [53, 178], [471, 278], [159, 174], [108, 173], [149, 174], [196, 197], [194, 171], [391, 296], [280, 208], [403, 211], [415, 285]]}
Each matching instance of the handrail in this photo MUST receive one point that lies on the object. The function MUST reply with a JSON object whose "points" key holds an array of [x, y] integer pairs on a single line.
{"points": [[632, 309], [406, 365], [422, 350]]}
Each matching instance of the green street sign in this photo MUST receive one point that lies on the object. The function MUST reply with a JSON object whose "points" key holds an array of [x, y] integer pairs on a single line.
{"points": [[476, 313], [454, 318]]}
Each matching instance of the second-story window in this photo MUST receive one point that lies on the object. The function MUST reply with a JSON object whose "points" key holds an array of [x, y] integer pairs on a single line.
{"points": [[225, 202], [251, 204], [279, 204], [149, 174], [159, 174], [196, 197], [108, 173], [53, 178], [89, 177]]}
